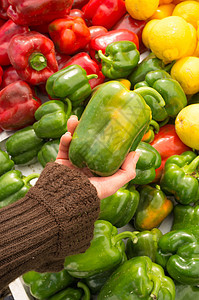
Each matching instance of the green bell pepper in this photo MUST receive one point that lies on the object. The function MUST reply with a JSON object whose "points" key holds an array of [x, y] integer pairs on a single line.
{"points": [[44, 285], [13, 186], [119, 60], [150, 63], [71, 82], [185, 216], [171, 91], [24, 145], [186, 292], [119, 208], [154, 100], [147, 244], [6, 164], [52, 117], [148, 161], [48, 152], [105, 252], [114, 120], [73, 293], [97, 281], [153, 208], [178, 252], [180, 177], [138, 278], [68, 294]]}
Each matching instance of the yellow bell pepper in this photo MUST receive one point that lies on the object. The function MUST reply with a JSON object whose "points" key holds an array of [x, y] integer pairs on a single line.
{"points": [[163, 11]]}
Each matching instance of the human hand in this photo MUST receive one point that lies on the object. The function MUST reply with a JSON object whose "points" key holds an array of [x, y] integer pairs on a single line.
{"points": [[105, 186]]}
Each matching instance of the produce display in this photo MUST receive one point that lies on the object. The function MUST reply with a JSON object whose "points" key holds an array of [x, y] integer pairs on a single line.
{"points": [[129, 70]]}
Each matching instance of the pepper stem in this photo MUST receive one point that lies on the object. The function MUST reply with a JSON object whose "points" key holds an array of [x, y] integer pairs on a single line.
{"points": [[155, 125], [104, 57], [125, 235], [156, 286], [91, 76], [69, 107], [30, 177], [37, 61], [188, 169], [145, 91], [87, 294]]}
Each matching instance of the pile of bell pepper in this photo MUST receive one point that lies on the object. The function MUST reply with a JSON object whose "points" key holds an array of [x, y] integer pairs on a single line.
{"points": [[67, 57]]}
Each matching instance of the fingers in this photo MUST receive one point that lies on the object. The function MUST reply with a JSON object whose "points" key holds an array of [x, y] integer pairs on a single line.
{"points": [[66, 138], [72, 124], [129, 165], [64, 146], [126, 172], [107, 186]]}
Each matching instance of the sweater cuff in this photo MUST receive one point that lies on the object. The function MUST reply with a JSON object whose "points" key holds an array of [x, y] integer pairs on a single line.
{"points": [[72, 201], [55, 219], [27, 235]]}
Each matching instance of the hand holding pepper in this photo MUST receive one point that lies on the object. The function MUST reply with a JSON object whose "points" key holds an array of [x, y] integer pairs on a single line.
{"points": [[106, 186]]}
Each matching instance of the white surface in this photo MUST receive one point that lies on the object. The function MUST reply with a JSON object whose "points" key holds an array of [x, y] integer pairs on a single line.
{"points": [[5, 134], [18, 290]]}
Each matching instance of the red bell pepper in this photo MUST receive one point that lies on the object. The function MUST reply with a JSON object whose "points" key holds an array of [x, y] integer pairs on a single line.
{"points": [[127, 22], [84, 60], [7, 31], [18, 104], [33, 56], [104, 13], [76, 13], [167, 143], [102, 41], [61, 59], [95, 31], [79, 3], [1, 74], [137, 26], [69, 34], [32, 12], [2, 22], [3, 9], [9, 76]]}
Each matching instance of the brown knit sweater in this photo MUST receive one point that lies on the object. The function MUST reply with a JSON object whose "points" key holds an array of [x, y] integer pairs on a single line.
{"points": [[55, 219]]}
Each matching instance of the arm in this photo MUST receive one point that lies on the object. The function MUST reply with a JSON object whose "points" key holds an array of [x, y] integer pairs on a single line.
{"points": [[53, 220], [56, 217]]}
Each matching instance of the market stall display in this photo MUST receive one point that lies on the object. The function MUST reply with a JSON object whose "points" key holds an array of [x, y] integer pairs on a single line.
{"points": [[129, 70]]}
